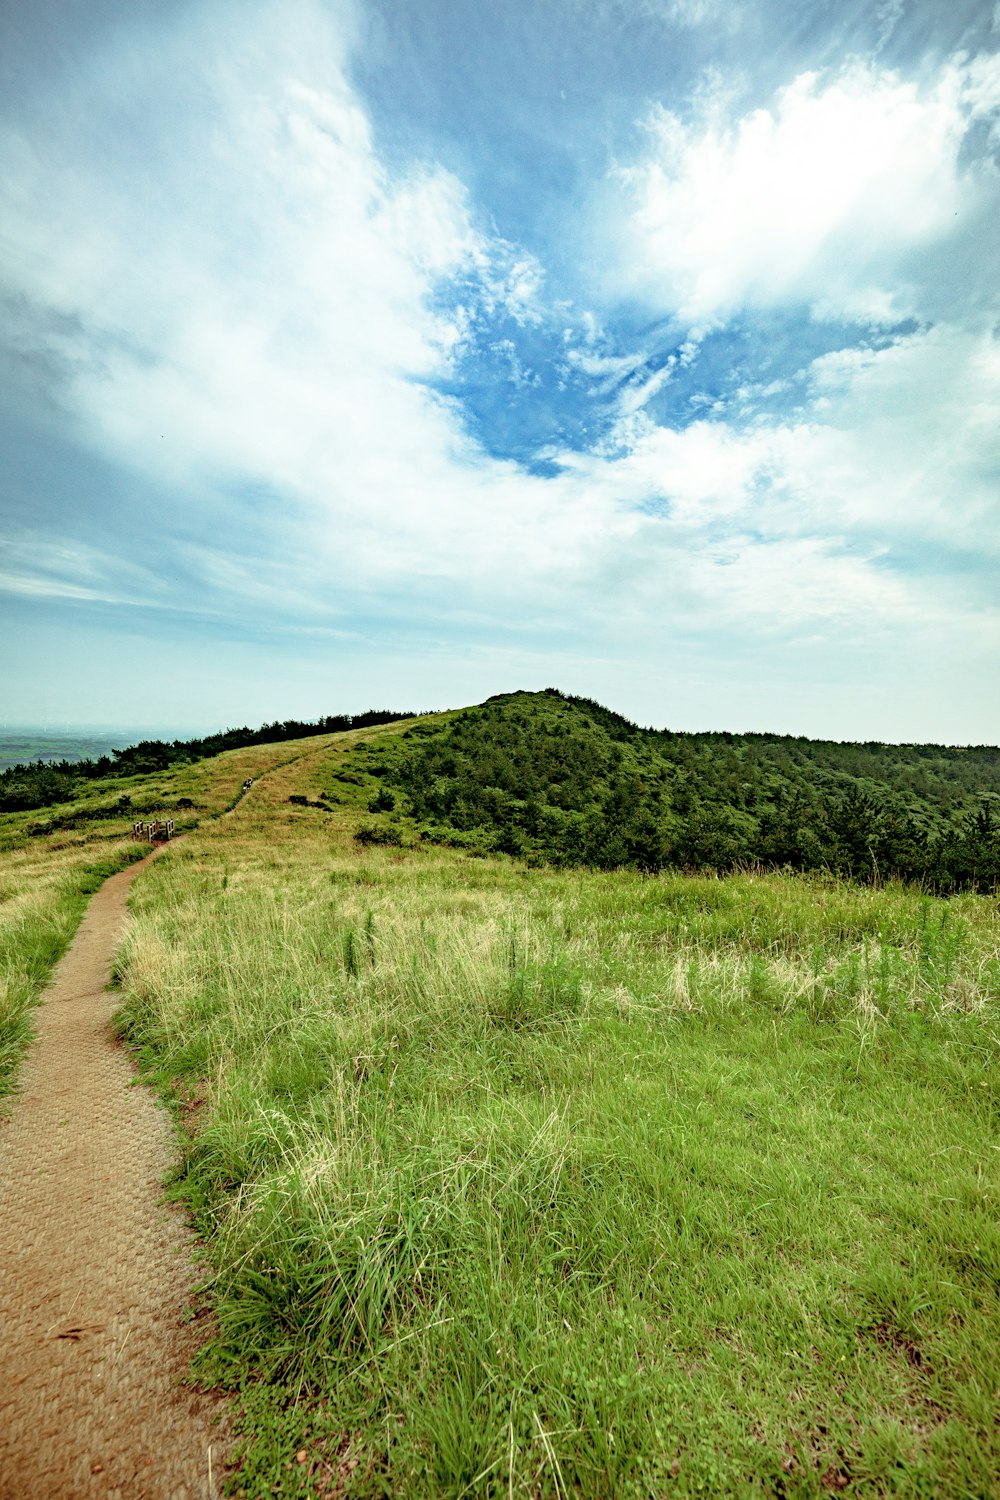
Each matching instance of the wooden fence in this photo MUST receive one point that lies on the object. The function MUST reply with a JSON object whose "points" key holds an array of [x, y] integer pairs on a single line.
{"points": [[156, 831]]}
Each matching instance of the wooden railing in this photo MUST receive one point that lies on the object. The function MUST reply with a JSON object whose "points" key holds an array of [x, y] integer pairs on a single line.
{"points": [[156, 831]]}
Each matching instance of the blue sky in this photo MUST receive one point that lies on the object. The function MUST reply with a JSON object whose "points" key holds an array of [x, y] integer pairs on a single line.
{"points": [[401, 352]]}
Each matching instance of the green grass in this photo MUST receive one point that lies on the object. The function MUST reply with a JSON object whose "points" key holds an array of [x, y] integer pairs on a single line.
{"points": [[41, 903], [523, 1182], [54, 860]]}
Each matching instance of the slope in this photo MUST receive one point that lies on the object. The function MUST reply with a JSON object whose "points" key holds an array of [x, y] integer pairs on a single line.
{"points": [[571, 782], [541, 1181]]}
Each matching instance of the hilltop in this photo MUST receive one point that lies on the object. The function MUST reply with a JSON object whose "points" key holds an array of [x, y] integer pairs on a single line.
{"points": [[568, 781], [563, 780]]}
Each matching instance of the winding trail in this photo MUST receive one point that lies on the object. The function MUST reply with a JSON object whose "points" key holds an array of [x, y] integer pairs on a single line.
{"points": [[95, 1270]]}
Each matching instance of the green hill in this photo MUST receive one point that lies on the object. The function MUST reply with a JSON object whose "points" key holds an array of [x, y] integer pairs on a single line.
{"points": [[513, 1179], [571, 782], [34, 775]]}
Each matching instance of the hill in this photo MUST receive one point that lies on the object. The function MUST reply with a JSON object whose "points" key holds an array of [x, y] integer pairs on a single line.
{"points": [[549, 1182], [563, 780], [41, 778], [545, 1181], [568, 781]]}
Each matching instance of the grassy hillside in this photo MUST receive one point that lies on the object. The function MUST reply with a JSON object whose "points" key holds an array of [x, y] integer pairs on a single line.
{"points": [[573, 783], [548, 1181], [39, 779], [52, 860]]}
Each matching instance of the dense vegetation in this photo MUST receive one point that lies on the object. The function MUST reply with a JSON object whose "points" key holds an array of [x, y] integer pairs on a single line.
{"points": [[44, 783], [568, 781]]}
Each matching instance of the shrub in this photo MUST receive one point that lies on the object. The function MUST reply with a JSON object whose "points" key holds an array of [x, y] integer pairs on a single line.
{"points": [[370, 833]]}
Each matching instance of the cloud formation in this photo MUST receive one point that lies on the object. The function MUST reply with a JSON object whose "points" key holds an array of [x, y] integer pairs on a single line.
{"points": [[282, 341], [825, 199]]}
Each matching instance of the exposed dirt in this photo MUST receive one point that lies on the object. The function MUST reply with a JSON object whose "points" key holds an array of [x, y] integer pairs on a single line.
{"points": [[95, 1270]]}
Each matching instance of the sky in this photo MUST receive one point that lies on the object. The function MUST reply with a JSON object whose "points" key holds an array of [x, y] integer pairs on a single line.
{"points": [[402, 352]]}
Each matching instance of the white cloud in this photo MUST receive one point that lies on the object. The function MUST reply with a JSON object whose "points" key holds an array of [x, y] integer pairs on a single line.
{"points": [[636, 394], [272, 320], [852, 512], [821, 199], [42, 568], [905, 442], [698, 12], [258, 331], [604, 366]]}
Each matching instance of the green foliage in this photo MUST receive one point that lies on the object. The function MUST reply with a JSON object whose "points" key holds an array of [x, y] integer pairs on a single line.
{"points": [[378, 833], [574, 783]]}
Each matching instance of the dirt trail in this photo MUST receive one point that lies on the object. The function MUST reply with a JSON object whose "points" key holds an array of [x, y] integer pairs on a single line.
{"points": [[95, 1271]]}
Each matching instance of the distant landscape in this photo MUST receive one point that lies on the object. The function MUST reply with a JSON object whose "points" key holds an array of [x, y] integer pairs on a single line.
{"points": [[564, 1108], [29, 746], [563, 779]]}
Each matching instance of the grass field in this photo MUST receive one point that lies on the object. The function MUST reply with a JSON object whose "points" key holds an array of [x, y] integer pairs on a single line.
{"points": [[52, 859], [42, 899], [522, 1182]]}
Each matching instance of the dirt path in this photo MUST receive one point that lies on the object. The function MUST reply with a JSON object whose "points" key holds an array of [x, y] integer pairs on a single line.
{"points": [[95, 1271]]}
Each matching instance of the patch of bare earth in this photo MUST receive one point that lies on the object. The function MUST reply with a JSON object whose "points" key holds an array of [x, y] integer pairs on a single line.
{"points": [[95, 1270]]}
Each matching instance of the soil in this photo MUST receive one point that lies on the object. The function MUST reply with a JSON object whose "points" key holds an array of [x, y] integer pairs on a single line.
{"points": [[96, 1271]]}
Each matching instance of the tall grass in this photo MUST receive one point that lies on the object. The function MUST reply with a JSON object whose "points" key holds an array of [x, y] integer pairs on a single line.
{"points": [[41, 902], [545, 1183], [54, 860]]}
